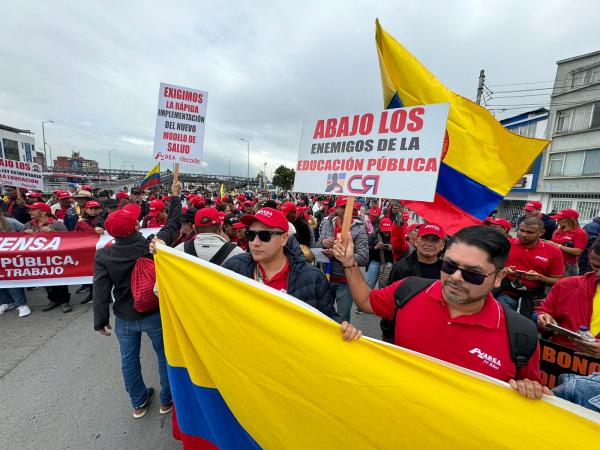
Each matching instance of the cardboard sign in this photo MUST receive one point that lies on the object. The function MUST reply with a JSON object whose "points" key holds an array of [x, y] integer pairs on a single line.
{"points": [[21, 174], [557, 359], [179, 135], [394, 153]]}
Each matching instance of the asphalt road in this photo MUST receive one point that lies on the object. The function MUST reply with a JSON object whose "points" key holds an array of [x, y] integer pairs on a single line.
{"points": [[61, 385]]}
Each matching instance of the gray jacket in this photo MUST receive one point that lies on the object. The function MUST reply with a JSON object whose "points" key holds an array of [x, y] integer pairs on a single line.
{"points": [[57, 225], [359, 237], [208, 244]]}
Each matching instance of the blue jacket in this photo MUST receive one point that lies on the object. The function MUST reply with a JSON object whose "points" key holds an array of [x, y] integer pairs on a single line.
{"points": [[305, 282], [593, 231]]}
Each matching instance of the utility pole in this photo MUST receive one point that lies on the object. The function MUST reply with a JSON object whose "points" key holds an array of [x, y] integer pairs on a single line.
{"points": [[248, 173], [480, 86]]}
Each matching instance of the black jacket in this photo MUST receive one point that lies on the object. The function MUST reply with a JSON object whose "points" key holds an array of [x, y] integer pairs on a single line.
{"points": [[406, 267], [113, 267], [305, 282], [375, 255], [302, 231], [19, 212]]}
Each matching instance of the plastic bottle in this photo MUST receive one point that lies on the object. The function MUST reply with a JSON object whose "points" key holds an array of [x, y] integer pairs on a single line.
{"points": [[585, 334]]}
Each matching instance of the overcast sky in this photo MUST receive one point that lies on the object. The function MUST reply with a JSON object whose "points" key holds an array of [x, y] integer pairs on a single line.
{"points": [[95, 67]]}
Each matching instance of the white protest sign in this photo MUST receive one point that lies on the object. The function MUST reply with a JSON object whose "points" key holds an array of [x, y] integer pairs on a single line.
{"points": [[21, 174], [394, 153], [179, 134]]}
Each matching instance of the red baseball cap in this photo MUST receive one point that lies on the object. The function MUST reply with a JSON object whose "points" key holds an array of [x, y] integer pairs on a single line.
{"points": [[414, 226], [375, 211], [63, 194], [222, 217], [431, 229], [92, 204], [241, 198], [269, 217], [499, 221], [152, 197], [156, 206], [198, 201], [385, 225], [121, 195], [87, 187], [341, 201], [123, 222], [206, 216], [248, 203], [34, 195], [530, 206], [41, 206], [288, 207], [238, 226], [566, 214]]}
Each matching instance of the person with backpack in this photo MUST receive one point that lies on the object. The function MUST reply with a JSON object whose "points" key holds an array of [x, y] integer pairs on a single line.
{"points": [[456, 319], [113, 284]]}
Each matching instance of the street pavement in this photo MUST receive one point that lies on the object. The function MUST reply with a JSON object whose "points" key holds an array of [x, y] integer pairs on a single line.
{"points": [[61, 385]]}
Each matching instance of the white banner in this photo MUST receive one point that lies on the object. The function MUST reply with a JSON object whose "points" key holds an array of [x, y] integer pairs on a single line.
{"points": [[179, 134], [394, 153], [21, 174]]}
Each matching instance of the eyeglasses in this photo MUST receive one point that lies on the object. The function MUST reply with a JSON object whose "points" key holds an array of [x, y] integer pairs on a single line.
{"points": [[264, 235], [468, 275]]}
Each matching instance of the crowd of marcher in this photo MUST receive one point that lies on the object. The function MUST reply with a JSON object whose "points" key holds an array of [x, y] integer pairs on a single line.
{"points": [[461, 298]]}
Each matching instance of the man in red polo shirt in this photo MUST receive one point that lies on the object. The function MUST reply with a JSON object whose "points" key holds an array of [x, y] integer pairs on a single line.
{"points": [[455, 319], [122, 199], [531, 266]]}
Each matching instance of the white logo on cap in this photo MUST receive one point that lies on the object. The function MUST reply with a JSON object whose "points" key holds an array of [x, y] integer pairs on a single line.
{"points": [[264, 212]]}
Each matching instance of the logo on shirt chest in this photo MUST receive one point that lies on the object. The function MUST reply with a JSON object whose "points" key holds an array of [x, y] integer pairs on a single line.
{"points": [[487, 359], [542, 258]]}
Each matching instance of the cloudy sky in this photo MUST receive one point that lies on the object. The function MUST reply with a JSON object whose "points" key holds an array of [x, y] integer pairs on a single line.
{"points": [[94, 67]]}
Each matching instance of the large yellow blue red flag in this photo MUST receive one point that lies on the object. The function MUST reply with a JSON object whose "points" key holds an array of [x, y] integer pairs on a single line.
{"points": [[483, 159], [251, 367], [152, 178]]}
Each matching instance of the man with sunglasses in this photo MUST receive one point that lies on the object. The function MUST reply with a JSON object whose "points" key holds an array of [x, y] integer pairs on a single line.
{"points": [[275, 259], [455, 319]]}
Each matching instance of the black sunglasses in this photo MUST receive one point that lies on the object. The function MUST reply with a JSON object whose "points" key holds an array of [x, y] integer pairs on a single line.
{"points": [[264, 235], [468, 275]]}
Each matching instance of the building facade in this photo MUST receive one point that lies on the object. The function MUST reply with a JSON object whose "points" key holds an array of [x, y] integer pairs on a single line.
{"points": [[570, 168], [17, 144], [531, 124], [77, 163]]}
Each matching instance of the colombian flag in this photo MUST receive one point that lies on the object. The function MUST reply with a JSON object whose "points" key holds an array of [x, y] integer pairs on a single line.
{"points": [[152, 178], [251, 367], [483, 159]]}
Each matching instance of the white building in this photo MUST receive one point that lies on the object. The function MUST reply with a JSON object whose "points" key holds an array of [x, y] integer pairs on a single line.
{"points": [[17, 144]]}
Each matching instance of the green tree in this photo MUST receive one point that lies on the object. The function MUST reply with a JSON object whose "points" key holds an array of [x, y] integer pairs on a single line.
{"points": [[284, 178]]}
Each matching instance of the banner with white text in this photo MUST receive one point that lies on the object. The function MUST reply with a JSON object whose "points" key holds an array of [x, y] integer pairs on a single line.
{"points": [[50, 259], [394, 153], [179, 134]]}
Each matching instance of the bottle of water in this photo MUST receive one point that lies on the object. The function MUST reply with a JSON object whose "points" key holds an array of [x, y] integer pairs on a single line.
{"points": [[585, 334]]}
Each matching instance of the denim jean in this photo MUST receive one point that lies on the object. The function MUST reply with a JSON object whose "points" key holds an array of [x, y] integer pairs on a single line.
{"points": [[129, 334], [581, 390], [373, 273], [343, 300], [14, 296]]}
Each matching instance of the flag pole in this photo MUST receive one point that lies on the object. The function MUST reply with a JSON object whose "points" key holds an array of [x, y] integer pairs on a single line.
{"points": [[347, 219]]}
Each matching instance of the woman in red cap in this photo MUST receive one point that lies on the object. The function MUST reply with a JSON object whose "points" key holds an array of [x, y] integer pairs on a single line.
{"points": [[570, 238]]}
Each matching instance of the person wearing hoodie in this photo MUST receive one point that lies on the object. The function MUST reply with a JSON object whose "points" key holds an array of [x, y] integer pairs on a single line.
{"points": [[275, 259], [113, 267]]}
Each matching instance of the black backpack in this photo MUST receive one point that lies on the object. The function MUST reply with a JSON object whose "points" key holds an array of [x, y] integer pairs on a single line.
{"points": [[522, 332], [218, 258]]}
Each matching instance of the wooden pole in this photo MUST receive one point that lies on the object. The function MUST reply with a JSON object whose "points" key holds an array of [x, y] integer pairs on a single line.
{"points": [[176, 174], [347, 219]]}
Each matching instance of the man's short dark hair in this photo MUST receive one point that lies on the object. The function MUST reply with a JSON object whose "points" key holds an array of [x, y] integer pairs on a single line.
{"points": [[215, 229], [269, 204], [596, 247], [534, 222], [495, 244]]}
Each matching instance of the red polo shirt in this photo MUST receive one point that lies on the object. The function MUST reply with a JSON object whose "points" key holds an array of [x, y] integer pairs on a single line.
{"points": [[154, 222], [476, 341], [578, 237], [544, 258], [278, 281]]}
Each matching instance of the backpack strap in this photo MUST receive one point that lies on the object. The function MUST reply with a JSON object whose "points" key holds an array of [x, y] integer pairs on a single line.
{"points": [[190, 248], [219, 257], [408, 289], [522, 336]]}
